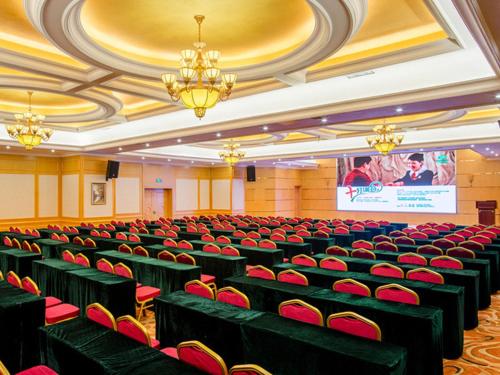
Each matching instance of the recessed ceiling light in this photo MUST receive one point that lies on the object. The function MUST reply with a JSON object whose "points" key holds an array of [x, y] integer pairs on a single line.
{"points": [[169, 160], [192, 161], [265, 128], [497, 96], [421, 149], [496, 155], [492, 152], [7, 147], [255, 161], [311, 157], [179, 140], [274, 162], [52, 150], [218, 135], [120, 149], [212, 163], [399, 109], [147, 144], [324, 120], [487, 149], [279, 159], [345, 155], [143, 158], [471, 146]]}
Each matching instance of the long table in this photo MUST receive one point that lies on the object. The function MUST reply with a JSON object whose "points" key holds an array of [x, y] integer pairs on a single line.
{"points": [[21, 313], [220, 266], [82, 346], [82, 286], [281, 345], [168, 276], [417, 328], [290, 248], [19, 261]]}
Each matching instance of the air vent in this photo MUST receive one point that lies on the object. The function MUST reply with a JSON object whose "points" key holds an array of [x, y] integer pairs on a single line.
{"points": [[360, 74]]}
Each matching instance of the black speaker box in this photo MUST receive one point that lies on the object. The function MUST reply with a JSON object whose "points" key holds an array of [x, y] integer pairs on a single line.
{"points": [[112, 170], [251, 173]]}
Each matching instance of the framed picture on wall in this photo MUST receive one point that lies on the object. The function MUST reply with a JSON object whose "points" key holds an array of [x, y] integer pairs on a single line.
{"points": [[98, 196]]}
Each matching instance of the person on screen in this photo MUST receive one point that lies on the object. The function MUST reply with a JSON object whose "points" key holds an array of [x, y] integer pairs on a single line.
{"points": [[358, 176], [417, 175]]}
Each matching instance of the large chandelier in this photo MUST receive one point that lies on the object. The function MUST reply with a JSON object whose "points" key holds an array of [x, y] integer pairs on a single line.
{"points": [[231, 154], [199, 89], [385, 140], [28, 130]]}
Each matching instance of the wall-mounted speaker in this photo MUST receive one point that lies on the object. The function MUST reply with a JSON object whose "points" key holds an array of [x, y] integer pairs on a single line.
{"points": [[112, 170], [251, 173]]}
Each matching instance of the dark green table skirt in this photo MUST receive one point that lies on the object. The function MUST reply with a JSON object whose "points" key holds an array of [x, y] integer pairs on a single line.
{"points": [[286, 346], [80, 346], [112, 243], [181, 317], [75, 249], [189, 236], [19, 261], [290, 248], [21, 314], [149, 239], [46, 233], [50, 275], [19, 236], [220, 266], [48, 247], [254, 255], [168, 276]]}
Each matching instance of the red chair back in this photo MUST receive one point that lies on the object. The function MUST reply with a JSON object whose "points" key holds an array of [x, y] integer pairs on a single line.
{"points": [[333, 263], [195, 354], [105, 234], [419, 235], [67, 256], [292, 277], [364, 254], [425, 275], [461, 252], [412, 258], [340, 230], [352, 287], [267, 244], [233, 297], [304, 260], [337, 250], [361, 244], [354, 324], [397, 293], [230, 251], [404, 240], [82, 260], [139, 250], [239, 233], [121, 236], [387, 270], [13, 279], [223, 240], [429, 250], [198, 288], [104, 265], [248, 242], [454, 237], [443, 243], [295, 238], [166, 255], [254, 235], [480, 239], [446, 262], [132, 328], [472, 245], [381, 238], [211, 248], [185, 245], [261, 272], [122, 270], [297, 309], [99, 314], [387, 246], [169, 242], [207, 237]]}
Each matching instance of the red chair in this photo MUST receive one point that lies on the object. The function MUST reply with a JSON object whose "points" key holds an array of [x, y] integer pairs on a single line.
{"points": [[195, 354], [321, 234], [223, 240], [99, 314], [169, 242], [352, 287], [121, 236], [104, 265], [139, 250], [54, 236], [372, 224], [230, 251], [143, 230], [254, 235], [409, 230], [205, 278], [105, 234], [340, 230], [472, 245], [430, 231], [337, 250], [7, 241], [132, 328], [82, 260], [264, 230], [35, 248], [445, 261], [166, 255], [304, 260], [429, 250], [68, 256], [60, 313], [303, 233], [14, 280], [292, 277], [267, 244], [16, 244], [239, 233], [480, 239], [494, 229], [364, 254], [387, 270], [474, 229], [185, 245], [78, 241], [294, 238], [36, 370], [89, 242], [233, 296], [31, 287], [354, 324], [461, 252], [443, 243], [207, 238], [362, 244], [211, 248], [425, 275], [260, 272], [412, 258], [124, 248], [397, 233], [404, 240], [277, 237], [381, 238], [358, 227], [26, 246], [333, 263], [133, 230], [454, 238], [159, 232], [248, 242], [248, 370], [387, 246], [199, 288], [171, 234], [464, 233], [95, 233], [419, 235], [397, 293], [442, 228], [297, 309]]}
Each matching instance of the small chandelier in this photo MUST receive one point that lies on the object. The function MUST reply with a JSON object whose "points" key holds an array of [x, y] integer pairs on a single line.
{"points": [[231, 154], [28, 130], [385, 140], [199, 73]]}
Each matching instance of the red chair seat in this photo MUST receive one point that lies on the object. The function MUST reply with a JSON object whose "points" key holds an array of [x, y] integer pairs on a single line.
{"points": [[171, 352], [38, 370], [147, 292], [155, 344], [207, 279], [61, 312], [52, 301]]}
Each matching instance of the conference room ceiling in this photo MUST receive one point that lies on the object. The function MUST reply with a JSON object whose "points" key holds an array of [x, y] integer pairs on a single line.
{"points": [[95, 69]]}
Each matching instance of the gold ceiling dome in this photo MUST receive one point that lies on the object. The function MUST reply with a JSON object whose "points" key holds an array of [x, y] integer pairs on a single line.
{"points": [[28, 130], [199, 89], [231, 153], [385, 140]]}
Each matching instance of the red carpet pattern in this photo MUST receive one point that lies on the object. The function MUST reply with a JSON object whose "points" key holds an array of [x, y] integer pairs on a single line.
{"points": [[481, 345]]}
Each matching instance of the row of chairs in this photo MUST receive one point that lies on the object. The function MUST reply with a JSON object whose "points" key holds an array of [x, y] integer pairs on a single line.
{"points": [[14, 243]]}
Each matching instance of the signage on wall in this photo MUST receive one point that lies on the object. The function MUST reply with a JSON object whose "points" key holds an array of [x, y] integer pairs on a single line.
{"points": [[158, 180]]}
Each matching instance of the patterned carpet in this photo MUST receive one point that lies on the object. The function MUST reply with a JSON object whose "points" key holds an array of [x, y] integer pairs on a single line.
{"points": [[481, 345]]}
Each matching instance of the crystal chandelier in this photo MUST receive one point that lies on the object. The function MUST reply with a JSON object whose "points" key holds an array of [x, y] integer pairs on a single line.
{"points": [[385, 140], [231, 154], [28, 130], [199, 73]]}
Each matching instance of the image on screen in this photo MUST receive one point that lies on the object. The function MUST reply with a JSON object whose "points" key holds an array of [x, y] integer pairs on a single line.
{"points": [[413, 182]]}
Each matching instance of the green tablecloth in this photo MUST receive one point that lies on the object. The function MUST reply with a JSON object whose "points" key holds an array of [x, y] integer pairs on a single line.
{"points": [[149, 239], [220, 266], [286, 346], [111, 243], [19, 261], [50, 275], [343, 239], [181, 317], [417, 328], [168, 276], [48, 246], [280, 345], [20, 236], [290, 248], [450, 298], [75, 249], [469, 279], [46, 233], [80, 346], [21, 314], [189, 236], [254, 255]]}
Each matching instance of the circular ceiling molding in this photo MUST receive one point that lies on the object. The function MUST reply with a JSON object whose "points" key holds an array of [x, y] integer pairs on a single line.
{"points": [[100, 105], [335, 23]]}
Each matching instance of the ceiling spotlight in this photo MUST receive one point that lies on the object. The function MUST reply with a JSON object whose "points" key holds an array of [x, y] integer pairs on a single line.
{"points": [[212, 163], [7, 147], [169, 160], [265, 128], [143, 158], [471, 146], [496, 155], [492, 152], [487, 149], [147, 144], [192, 161], [255, 161], [324, 120], [311, 157], [52, 150], [497, 96], [274, 162], [120, 149], [179, 140], [289, 164], [399, 109], [421, 149], [218, 135], [344, 155]]}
